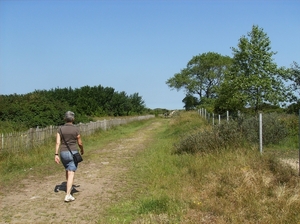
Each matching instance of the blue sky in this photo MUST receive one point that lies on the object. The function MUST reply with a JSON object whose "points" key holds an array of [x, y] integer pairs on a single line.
{"points": [[131, 45]]}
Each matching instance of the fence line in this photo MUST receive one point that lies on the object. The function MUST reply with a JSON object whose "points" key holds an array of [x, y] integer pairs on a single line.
{"points": [[202, 112], [226, 116], [33, 137]]}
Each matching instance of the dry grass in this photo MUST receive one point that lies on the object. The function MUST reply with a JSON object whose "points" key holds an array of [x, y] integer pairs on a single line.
{"points": [[234, 185], [229, 186]]}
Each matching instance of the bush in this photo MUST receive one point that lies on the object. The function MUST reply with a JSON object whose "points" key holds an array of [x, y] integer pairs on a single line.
{"points": [[223, 136], [234, 134], [273, 128]]}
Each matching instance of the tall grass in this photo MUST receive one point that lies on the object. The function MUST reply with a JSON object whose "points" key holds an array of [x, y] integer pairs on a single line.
{"points": [[19, 164], [235, 185]]}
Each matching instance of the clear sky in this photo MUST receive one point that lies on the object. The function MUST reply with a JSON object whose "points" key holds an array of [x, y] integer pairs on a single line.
{"points": [[131, 45]]}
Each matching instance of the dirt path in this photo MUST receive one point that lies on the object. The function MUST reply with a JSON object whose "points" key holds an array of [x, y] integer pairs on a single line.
{"points": [[97, 184]]}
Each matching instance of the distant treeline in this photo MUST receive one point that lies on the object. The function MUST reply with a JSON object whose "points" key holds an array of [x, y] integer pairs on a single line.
{"points": [[46, 107]]}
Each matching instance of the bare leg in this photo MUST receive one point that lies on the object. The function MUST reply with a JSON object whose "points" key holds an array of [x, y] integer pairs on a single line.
{"points": [[70, 178]]}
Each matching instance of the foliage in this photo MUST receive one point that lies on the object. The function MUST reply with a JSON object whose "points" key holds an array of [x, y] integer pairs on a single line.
{"points": [[273, 127], [202, 76], [291, 122], [43, 108], [238, 185], [235, 134], [253, 78], [190, 102], [293, 108], [223, 136], [295, 76], [9, 127]]}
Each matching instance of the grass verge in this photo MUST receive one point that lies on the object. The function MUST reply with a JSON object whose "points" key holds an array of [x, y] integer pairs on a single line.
{"points": [[39, 161], [229, 186], [236, 185]]}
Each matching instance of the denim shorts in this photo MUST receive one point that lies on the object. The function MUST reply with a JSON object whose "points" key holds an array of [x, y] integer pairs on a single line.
{"points": [[67, 160]]}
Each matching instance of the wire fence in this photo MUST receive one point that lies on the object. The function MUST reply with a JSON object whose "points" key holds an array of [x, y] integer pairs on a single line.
{"points": [[17, 141], [259, 122]]}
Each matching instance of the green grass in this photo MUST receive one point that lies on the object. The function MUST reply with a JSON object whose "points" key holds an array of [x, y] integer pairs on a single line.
{"points": [[40, 160], [230, 186], [151, 181]]}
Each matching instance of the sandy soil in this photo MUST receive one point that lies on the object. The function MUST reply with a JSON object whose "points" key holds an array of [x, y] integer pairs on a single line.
{"points": [[97, 185], [294, 163]]}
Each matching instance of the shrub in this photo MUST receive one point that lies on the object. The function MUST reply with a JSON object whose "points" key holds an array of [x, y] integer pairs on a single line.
{"points": [[234, 134], [291, 122], [220, 137], [273, 128]]}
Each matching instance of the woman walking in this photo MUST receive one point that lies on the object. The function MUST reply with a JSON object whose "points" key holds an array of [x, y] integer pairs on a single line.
{"points": [[71, 135]]}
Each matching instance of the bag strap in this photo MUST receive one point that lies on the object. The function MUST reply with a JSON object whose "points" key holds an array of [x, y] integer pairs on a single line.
{"points": [[65, 141]]}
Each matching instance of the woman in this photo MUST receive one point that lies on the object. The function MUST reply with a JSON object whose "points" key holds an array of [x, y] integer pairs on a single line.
{"points": [[72, 137]]}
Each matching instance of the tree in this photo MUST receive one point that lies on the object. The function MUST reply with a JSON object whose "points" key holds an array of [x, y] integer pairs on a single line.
{"points": [[190, 102], [137, 104], [253, 78], [295, 76], [295, 86], [42, 108], [202, 76]]}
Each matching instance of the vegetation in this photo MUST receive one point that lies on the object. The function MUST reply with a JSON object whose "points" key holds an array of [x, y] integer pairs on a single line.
{"points": [[253, 78], [249, 80], [43, 108], [190, 172], [295, 79], [235, 184], [295, 76], [39, 160], [203, 74], [239, 133]]}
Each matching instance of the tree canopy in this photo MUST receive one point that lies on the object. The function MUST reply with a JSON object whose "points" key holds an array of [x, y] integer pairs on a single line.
{"points": [[43, 108], [251, 79], [295, 76], [202, 76], [254, 79], [295, 85]]}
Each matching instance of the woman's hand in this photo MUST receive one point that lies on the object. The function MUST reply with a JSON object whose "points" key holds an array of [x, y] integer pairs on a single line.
{"points": [[57, 159]]}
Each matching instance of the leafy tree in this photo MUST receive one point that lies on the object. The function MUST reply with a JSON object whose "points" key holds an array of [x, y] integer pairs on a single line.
{"points": [[295, 76], [190, 102], [293, 108], [295, 85], [253, 78], [202, 76], [43, 108], [118, 104], [137, 104], [104, 97]]}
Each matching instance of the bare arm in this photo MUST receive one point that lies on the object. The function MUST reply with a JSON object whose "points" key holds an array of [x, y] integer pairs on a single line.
{"points": [[79, 142], [57, 159]]}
